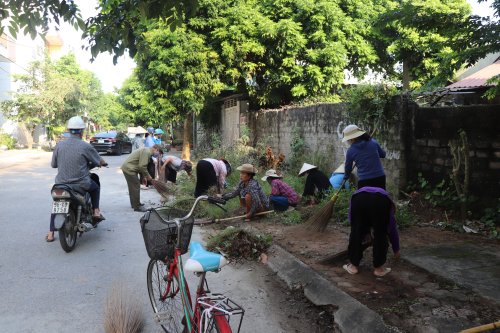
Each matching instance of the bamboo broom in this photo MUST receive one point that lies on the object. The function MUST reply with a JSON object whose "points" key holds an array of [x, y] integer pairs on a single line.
{"points": [[319, 221]]}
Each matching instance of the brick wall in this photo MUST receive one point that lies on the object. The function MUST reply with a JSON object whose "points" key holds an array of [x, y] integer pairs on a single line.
{"points": [[433, 129]]}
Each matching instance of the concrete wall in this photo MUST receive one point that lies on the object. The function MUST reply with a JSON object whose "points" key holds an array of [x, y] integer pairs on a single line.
{"points": [[321, 127], [417, 141]]}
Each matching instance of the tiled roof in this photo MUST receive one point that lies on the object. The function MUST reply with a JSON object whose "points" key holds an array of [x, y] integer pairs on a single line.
{"points": [[479, 78]]}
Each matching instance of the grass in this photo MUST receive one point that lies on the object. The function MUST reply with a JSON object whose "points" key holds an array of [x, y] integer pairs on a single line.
{"points": [[237, 243]]}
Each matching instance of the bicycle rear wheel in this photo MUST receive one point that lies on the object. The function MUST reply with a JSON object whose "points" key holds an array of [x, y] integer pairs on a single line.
{"points": [[165, 297]]}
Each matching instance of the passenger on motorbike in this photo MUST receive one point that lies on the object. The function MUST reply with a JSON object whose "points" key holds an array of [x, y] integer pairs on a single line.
{"points": [[73, 159]]}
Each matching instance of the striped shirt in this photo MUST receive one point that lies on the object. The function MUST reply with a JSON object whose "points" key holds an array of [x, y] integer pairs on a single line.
{"points": [[279, 187], [71, 158], [252, 187]]}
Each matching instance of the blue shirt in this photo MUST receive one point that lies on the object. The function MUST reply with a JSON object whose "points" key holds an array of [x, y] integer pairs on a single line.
{"points": [[149, 142], [366, 155]]}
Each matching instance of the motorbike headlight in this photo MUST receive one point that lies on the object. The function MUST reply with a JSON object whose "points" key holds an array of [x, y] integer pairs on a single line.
{"points": [[60, 194]]}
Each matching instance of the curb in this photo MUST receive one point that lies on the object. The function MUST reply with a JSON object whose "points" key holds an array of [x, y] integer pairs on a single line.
{"points": [[350, 316]]}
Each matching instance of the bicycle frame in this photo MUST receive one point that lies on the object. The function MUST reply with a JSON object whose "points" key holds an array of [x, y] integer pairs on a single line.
{"points": [[206, 307]]}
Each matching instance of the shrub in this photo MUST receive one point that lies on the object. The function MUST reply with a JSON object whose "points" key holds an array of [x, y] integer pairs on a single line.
{"points": [[7, 140]]}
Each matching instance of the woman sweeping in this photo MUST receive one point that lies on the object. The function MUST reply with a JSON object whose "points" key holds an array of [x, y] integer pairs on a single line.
{"points": [[252, 197], [366, 153]]}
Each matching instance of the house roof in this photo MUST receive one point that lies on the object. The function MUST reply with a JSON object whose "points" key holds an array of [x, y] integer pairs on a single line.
{"points": [[479, 78]]}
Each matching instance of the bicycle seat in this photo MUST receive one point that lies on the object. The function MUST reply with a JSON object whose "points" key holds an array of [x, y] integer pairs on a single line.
{"points": [[202, 260]]}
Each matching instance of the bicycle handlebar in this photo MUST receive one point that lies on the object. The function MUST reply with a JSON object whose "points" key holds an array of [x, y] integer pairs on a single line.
{"points": [[213, 200]]}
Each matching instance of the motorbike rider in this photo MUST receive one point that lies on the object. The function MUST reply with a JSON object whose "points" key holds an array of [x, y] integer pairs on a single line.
{"points": [[73, 159]]}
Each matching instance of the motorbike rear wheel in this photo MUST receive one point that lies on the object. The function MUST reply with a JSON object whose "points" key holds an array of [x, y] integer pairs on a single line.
{"points": [[68, 233]]}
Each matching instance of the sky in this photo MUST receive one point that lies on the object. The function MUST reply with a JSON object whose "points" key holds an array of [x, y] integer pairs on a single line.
{"points": [[112, 76]]}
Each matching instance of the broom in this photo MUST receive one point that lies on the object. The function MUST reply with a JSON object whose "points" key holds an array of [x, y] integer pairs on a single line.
{"points": [[160, 186], [319, 221]]}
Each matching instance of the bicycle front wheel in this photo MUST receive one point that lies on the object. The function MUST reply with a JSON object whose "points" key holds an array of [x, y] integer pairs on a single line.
{"points": [[165, 297]]}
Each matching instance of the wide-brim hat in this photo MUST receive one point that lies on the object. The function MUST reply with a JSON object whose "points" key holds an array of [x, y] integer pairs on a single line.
{"points": [[271, 173], [352, 132], [248, 168], [340, 169], [306, 167]]}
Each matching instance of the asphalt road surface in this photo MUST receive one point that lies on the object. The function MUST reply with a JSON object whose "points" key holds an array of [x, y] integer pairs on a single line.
{"points": [[45, 289]]}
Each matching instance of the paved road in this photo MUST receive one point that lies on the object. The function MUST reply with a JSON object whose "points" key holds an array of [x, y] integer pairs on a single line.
{"points": [[45, 289]]}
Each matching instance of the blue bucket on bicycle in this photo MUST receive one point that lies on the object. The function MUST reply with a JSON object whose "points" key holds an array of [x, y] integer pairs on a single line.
{"points": [[160, 232]]}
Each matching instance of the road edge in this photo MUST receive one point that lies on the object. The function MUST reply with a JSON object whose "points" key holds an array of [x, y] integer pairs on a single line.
{"points": [[350, 316]]}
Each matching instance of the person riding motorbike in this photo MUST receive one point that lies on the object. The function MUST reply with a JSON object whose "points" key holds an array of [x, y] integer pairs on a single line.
{"points": [[73, 159]]}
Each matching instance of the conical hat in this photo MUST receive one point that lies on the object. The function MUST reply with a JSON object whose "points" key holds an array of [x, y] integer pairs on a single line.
{"points": [[306, 167]]}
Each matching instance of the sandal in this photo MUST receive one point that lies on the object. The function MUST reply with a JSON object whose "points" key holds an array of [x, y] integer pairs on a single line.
{"points": [[98, 218], [349, 269], [50, 239], [385, 272]]}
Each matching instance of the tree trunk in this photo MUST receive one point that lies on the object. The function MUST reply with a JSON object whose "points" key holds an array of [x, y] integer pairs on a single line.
{"points": [[27, 134], [406, 75], [186, 138]]}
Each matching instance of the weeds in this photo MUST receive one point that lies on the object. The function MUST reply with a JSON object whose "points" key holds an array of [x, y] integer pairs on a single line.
{"points": [[237, 243]]}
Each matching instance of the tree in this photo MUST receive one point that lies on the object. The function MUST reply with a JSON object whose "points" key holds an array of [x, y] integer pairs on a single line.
{"points": [[34, 17], [425, 36], [179, 71], [281, 51], [50, 93]]}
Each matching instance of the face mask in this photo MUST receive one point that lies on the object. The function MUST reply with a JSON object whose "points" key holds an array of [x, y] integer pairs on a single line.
{"points": [[156, 154]]}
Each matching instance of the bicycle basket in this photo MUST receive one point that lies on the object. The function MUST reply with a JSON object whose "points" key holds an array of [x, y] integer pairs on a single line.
{"points": [[160, 232]]}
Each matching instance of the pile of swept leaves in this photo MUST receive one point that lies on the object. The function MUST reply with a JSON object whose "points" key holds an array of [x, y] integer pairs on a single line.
{"points": [[237, 243]]}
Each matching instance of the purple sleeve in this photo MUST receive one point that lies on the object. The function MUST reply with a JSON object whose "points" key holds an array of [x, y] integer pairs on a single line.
{"points": [[392, 231]]}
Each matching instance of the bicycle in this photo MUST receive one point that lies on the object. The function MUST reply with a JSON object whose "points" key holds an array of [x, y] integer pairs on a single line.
{"points": [[167, 234]]}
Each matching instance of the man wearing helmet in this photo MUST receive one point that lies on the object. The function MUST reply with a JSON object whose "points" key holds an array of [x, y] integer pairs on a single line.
{"points": [[72, 157]]}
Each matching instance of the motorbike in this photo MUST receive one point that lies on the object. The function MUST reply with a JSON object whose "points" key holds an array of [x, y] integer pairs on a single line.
{"points": [[72, 212]]}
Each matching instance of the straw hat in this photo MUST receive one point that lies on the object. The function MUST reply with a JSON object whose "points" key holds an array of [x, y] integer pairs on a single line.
{"points": [[352, 132], [271, 173], [306, 167], [248, 168], [340, 169]]}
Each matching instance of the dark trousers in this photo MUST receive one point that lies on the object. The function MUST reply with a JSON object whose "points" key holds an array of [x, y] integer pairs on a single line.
{"points": [[369, 211], [372, 182], [205, 177]]}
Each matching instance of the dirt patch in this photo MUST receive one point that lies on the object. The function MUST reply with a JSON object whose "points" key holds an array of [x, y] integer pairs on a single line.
{"points": [[409, 299]]}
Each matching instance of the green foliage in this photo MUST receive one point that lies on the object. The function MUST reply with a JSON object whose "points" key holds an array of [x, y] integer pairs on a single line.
{"points": [[370, 104], [178, 70], [52, 92], [237, 243], [290, 218], [426, 36], [491, 220], [7, 141], [35, 17], [442, 194], [298, 148], [119, 24]]}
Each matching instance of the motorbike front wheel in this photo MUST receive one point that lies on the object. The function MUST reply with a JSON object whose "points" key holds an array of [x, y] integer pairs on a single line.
{"points": [[68, 233]]}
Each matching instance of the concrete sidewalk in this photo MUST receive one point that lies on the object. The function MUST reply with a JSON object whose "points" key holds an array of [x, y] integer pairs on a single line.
{"points": [[10, 158], [473, 266]]}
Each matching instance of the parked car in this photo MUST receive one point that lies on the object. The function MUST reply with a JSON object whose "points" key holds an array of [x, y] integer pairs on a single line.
{"points": [[112, 143]]}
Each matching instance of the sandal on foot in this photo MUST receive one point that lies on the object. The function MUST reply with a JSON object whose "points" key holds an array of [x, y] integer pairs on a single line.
{"points": [[50, 239], [385, 272], [349, 269], [98, 218]]}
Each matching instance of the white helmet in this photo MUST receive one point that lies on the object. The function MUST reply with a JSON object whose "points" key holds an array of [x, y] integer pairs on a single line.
{"points": [[76, 123]]}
